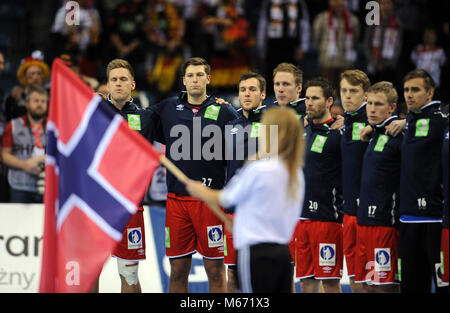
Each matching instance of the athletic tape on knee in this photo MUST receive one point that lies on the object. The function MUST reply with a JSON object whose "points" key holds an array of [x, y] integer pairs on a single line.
{"points": [[129, 271]]}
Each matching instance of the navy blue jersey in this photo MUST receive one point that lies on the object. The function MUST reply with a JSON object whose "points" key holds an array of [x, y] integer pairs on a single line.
{"points": [[193, 141], [380, 179], [445, 177], [323, 183], [421, 171], [298, 105], [137, 119], [352, 149], [241, 139]]}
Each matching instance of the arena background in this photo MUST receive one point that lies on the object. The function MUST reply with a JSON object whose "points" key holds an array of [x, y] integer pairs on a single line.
{"points": [[28, 28]]}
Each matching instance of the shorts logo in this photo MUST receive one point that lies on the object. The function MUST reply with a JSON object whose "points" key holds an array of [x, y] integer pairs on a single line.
{"points": [[212, 112], [215, 236], [382, 259], [439, 273], [134, 121], [327, 254], [134, 238], [167, 237]]}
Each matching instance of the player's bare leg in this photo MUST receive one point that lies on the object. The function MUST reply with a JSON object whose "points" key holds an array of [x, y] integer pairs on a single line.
{"points": [[179, 274]]}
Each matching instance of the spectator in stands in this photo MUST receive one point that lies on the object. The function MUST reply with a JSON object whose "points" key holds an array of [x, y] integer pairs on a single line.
{"points": [[127, 38], [32, 73], [228, 38], [335, 34], [74, 37], [165, 29], [23, 151], [428, 56], [383, 44], [4, 187], [283, 33]]}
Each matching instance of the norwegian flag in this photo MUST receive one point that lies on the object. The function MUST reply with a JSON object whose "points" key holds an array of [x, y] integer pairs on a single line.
{"points": [[97, 171]]}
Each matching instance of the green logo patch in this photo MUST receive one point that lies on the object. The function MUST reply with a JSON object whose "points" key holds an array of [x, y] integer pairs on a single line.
{"points": [[381, 142], [134, 121], [422, 127], [318, 144], [212, 112], [356, 132], [255, 130]]}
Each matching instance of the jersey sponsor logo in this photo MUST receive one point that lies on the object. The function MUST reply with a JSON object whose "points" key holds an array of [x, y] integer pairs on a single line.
{"points": [[327, 254], [180, 107], [212, 112], [356, 131], [422, 127], [215, 236], [134, 121], [134, 238], [381, 142], [318, 144], [382, 259]]}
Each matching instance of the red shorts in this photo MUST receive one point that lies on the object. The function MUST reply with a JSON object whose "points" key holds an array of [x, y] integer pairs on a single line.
{"points": [[229, 252], [132, 246], [349, 243], [444, 255], [319, 250], [376, 260], [192, 226]]}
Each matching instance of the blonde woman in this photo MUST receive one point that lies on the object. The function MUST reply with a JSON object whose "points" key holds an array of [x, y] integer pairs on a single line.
{"points": [[268, 195]]}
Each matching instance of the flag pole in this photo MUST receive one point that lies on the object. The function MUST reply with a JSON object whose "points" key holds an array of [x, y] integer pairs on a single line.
{"points": [[184, 179]]}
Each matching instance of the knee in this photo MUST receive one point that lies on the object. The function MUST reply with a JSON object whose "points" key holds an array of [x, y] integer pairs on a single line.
{"points": [[179, 270], [128, 270]]}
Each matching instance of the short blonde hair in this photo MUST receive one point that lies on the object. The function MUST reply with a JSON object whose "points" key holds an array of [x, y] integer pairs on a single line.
{"points": [[387, 88], [356, 78], [289, 68]]}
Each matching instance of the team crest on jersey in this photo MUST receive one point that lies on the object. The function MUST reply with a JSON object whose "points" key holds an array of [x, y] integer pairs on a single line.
{"points": [[215, 236], [327, 254], [134, 238], [382, 259]]}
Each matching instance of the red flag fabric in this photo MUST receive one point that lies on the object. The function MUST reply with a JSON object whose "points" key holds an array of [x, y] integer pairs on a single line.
{"points": [[96, 173]]}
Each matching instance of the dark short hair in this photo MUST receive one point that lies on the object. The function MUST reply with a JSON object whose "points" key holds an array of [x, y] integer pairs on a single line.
{"points": [[428, 80], [259, 77], [326, 85], [195, 61], [119, 63]]}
